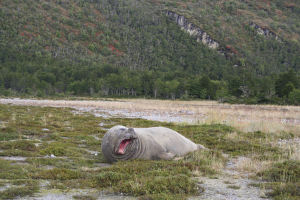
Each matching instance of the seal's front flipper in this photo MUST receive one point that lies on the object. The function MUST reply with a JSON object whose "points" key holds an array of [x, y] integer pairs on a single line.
{"points": [[179, 158], [202, 147], [166, 156]]}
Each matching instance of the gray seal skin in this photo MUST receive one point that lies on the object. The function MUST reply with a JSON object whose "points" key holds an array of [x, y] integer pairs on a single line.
{"points": [[155, 143]]}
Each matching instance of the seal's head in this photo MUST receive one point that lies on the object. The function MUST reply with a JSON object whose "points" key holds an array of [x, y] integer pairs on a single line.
{"points": [[119, 143]]}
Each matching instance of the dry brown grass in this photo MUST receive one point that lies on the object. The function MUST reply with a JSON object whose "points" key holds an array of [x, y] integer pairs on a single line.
{"points": [[251, 165], [266, 118]]}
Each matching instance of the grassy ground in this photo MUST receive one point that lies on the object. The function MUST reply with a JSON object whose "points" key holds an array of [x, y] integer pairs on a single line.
{"points": [[63, 149], [246, 118]]}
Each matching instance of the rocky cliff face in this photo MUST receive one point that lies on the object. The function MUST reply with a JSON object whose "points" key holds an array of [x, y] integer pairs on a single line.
{"points": [[193, 30], [264, 31]]}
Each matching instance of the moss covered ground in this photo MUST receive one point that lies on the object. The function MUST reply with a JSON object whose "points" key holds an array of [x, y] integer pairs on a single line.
{"points": [[63, 148]]}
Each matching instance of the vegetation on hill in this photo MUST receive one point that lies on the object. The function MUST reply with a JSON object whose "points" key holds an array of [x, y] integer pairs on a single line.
{"points": [[131, 48]]}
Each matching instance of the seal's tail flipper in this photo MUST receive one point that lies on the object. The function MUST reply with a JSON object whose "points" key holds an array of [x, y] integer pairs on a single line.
{"points": [[201, 147]]}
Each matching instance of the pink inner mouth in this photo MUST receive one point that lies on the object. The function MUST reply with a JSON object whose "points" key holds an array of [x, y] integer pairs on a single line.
{"points": [[123, 145]]}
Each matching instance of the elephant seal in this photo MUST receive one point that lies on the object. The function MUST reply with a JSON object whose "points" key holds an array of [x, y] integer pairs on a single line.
{"points": [[155, 143]]}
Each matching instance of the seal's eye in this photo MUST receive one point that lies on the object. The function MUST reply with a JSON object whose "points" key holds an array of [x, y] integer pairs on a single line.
{"points": [[123, 145]]}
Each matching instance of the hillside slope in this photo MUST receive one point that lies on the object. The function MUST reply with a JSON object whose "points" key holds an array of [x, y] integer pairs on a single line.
{"points": [[135, 48], [263, 33]]}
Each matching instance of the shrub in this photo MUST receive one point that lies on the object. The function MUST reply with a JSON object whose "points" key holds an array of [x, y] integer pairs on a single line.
{"points": [[294, 97], [287, 171]]}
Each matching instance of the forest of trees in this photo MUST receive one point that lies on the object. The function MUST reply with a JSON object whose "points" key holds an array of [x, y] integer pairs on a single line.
{"points": [[130, 49], [22, 75]]}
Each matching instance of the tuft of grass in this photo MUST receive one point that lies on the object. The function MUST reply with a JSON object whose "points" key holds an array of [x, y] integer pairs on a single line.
{"points": [[163, 196], [284, 178], [28, 189], [16, 152], [289, 191], [84, 197], [227, 182], [24, 145], [174, 185], [85, 182], [287, 171], [9, 171], [61, 149], [58, 174], [6, 135], [235, 187], [55, 149], [206, 163], [2, 184], [56, 162]]}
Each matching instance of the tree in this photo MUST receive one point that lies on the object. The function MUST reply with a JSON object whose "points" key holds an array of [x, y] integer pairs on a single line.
{"points": [[266, 89], [79, 87], [294, 97], [203, 88], [234, 86], [285, 83], [158, 88], [171, 88]]}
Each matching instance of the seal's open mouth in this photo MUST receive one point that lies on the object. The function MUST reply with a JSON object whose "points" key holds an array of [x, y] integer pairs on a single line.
{"points": [[123, 145]]}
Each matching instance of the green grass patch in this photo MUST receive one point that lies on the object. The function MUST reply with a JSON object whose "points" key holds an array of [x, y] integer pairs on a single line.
{"points": [[140, 178], [10, 171], [55, 162], [24, 145], [6, 135], [290, 191], [159, 179], [28, 189], [84, 197], [235, 187], [287, 171], [284, 179], [58, 174], [205, 162], [16, 152], [215, 137], [61, 149]]}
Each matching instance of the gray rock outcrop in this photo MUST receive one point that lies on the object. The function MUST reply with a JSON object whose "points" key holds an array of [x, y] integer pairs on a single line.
{"points": [[264, 31], [193, 30]]}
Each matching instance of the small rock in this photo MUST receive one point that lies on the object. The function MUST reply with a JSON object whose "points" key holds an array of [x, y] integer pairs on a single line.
{"points": [[101, 124], [45, 129], [37, 144], [52, 156]]}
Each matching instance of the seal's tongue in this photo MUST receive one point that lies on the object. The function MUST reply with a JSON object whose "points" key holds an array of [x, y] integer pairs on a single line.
{"points": [[122, 146]]}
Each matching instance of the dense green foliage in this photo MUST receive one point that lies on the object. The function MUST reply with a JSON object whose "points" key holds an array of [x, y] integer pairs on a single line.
{"points": [[131, 48]]}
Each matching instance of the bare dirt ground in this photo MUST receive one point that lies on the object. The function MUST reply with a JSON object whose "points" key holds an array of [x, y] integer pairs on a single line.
{"points": [[232, 184], [248, 118]]}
